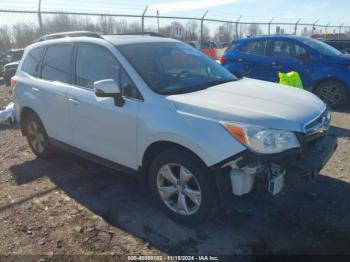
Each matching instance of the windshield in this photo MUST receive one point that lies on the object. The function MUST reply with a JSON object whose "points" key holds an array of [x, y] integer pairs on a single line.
{"points": [[175, 68], [322, 47]]}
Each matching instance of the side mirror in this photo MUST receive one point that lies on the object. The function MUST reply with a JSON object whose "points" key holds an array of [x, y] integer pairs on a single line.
{"points": [[303, 57], [109, 88]]}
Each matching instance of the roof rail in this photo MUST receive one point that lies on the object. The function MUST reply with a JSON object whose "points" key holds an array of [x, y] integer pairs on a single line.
{"points": [[143, 33], [69, 34]]}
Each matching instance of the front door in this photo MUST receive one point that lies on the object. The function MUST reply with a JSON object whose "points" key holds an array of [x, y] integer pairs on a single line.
{"points": [[252, 58], [98, 125]]}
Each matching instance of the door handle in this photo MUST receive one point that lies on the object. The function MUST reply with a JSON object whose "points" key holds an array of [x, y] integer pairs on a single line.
{"points": [[37, 90], [276, 65], [74, 101]]}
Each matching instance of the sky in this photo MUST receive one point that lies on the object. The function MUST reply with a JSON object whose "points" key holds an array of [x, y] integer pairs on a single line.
{"points": [[326, 11]]}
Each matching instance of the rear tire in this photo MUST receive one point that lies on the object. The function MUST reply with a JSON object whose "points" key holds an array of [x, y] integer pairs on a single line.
{"points": [[183, 186], [37, 137], [332, 92]]}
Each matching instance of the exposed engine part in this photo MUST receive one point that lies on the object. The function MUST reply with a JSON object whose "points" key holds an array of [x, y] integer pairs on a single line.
{"points": [[242, 180], [276, 178]]}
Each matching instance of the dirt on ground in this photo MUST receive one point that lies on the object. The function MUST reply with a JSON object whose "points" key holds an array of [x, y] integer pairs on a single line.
{"points": [[69, 206]]}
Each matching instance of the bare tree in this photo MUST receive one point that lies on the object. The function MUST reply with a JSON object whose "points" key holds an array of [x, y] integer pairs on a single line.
{"points": [[134, 27], [24, 34], [165, 30], [107, 25], [191, 31], [254, 29], [5, 39], [224, 33], [206, 34]]}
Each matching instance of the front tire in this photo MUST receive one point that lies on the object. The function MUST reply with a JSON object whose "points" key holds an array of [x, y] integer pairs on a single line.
{"points": [[332, 92], [183, 186], [37, 137]]}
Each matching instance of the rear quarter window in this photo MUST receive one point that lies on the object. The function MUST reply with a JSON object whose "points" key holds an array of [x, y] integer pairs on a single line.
{"points": [[231, 46], [32, 61], [57, 63]]}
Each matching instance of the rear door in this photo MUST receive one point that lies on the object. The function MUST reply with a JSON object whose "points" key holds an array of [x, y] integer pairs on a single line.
{"points": [[99, 126], [252, 57], [52, 88], [283, 57]]}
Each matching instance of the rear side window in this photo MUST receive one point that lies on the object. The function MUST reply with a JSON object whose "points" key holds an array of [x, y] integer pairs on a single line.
{"points": [[285, 49], [32, 61], [95, 63], [57, 63], [231, 46], [254, 48]]}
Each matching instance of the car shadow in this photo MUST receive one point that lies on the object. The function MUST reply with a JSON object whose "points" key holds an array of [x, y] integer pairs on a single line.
{"points": [[340, 131], [343, 109], [12, 126], [313, 218]]}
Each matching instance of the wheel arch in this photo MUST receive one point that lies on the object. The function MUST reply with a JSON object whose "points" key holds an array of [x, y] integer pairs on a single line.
{"points": [[336, 79], [24, 113], [331, 78], [155, 149]]}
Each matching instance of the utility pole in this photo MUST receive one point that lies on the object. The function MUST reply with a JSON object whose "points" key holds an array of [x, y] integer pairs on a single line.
{"points": [[158, 21], [239, 18], [326, 30], [202, 25], [340, 27], [143, 19], [313, 27], [296, 26], [40, 18], [269, 26]]}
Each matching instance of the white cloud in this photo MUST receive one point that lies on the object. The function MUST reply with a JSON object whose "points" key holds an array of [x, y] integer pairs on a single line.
{"points": [[188, 5]]}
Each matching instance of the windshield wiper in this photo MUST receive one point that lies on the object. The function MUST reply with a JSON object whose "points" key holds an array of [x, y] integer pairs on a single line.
{"points": [[202, 86], [218, 82]]}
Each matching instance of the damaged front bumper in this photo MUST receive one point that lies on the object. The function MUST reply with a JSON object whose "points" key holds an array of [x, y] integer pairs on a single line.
{"points": [[238, 175]]}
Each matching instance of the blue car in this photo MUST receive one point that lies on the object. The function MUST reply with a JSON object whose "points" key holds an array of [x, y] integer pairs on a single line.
{"points": [[323, 69]]}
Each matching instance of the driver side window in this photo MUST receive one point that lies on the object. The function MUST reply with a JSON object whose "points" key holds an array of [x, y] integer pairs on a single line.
{"points": [[95, 63], [128, 88]]}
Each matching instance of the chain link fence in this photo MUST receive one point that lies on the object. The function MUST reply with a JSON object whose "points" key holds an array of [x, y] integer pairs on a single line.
{"points": [[20, 27]]}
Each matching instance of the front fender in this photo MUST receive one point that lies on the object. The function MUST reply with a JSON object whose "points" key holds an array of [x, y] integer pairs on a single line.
{"points": [[204, 137], [332, 72]]}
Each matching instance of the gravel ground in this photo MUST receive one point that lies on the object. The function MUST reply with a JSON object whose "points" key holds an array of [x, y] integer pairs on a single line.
{"points": [[66, 206]]}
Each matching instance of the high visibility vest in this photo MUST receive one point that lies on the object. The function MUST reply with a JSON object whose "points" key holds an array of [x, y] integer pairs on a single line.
{"points": [[290, 79]]}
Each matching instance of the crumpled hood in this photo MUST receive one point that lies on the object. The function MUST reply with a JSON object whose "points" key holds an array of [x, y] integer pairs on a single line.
{"points": [[253, 102]]}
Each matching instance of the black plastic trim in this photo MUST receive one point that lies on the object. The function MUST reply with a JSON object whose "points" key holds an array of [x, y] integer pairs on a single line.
{"points": [[252, 157], [94, 158]]}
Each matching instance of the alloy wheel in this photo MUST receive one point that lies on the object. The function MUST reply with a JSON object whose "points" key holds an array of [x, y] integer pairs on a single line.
{"points": [[179, 189], [330, 94], [35, 137]]}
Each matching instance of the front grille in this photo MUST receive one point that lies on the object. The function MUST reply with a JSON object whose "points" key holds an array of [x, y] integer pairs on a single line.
{"points": [[320, 124]]}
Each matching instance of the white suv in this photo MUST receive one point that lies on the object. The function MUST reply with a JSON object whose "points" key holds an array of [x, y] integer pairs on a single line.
{"points": [[158, 108]]}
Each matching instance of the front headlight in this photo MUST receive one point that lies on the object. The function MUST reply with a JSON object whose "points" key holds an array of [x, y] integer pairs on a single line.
{"points": [[262, 140]]}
